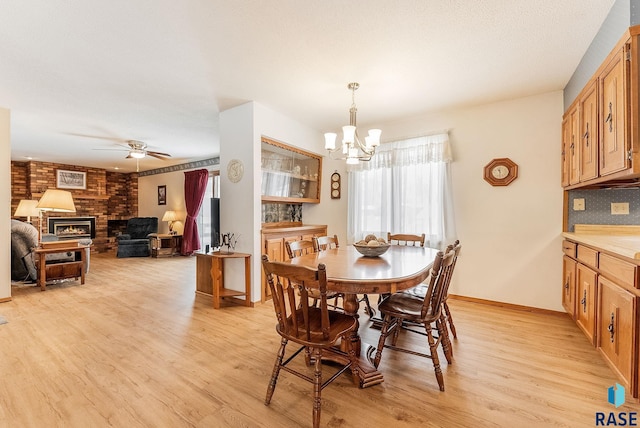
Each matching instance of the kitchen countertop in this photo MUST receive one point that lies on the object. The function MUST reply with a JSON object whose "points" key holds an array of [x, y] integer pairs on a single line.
{"points": [[621, 240]]}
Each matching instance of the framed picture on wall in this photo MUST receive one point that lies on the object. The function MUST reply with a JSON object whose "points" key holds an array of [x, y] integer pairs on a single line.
{"points": [[162, 195], [71, 179]]}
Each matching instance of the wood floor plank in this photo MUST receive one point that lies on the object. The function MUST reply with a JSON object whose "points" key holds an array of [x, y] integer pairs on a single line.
{"points": [[135, 346]]}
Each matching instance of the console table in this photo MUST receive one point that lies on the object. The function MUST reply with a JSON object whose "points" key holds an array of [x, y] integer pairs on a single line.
{"points": [[62, 270], [210, 277], [165, 245]]}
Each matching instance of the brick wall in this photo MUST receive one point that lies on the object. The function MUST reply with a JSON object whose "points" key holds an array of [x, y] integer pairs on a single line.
{"points": [[108, 196]]}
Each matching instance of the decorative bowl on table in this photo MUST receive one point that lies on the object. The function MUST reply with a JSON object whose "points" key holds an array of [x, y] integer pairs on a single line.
{"points": [[371, 246], [369, 251]]}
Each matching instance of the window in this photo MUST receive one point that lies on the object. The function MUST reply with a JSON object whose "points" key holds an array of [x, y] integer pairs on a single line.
{"points": [[404, 188], [204, 216]]}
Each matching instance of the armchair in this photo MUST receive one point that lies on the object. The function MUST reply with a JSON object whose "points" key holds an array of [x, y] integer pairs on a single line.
{"points": [[135, 241], [24, 238]]}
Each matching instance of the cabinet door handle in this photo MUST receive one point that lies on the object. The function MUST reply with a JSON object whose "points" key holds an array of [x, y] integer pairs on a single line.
{"points": [[610, 117], [610, 328], [586, 135], [566, 285], [583, 301]]}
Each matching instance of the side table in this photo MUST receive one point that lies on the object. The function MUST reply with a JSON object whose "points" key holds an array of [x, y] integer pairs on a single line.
{"points": [[165, 245], [64, 270], [217, 276]]}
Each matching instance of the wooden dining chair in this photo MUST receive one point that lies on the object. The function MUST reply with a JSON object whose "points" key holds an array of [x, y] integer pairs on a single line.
{"points": [[327, 242], [322, 243], [316, 329], [400, 239], [419, 292], [298, 248], [304, 246], [427, 312], [405, 239]]}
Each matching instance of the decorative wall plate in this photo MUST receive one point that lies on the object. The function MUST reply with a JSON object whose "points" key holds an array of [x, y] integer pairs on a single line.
{"points": [[235, 170]]}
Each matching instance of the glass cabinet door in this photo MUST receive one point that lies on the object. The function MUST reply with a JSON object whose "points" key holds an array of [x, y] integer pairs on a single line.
{"points": [[289, 174]]}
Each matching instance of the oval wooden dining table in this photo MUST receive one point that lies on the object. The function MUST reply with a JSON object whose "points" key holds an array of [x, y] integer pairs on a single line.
{"points": [[349, 272]]}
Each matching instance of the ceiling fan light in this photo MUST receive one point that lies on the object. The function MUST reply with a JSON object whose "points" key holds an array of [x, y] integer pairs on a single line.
{"points": [[136, 153]]}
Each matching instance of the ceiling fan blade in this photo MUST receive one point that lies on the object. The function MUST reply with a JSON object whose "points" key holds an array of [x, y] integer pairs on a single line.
{"points": [[119, 150], [157, 155], [98, 137], [152, 153]]}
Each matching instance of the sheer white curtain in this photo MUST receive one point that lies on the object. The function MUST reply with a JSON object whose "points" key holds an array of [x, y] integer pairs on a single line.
{"points": [[404, 188]]}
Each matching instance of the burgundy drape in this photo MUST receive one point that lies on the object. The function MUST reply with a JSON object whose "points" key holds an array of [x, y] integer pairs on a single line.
{"points": [[195, 185]]}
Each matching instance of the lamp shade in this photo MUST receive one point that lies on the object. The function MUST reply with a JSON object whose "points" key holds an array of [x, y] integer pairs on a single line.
{"points": [[169, 216], [27, 208], [57, 200]]}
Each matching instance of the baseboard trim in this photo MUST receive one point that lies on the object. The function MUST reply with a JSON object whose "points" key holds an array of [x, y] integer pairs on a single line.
{"points": [[5, 299], [507, 305]]}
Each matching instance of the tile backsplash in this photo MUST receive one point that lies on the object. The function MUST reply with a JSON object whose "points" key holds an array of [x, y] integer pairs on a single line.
{"points": [[598, 207], [275, 213]]}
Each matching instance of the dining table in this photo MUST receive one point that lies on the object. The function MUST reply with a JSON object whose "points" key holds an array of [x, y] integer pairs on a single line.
{"points": [[350, 273]]}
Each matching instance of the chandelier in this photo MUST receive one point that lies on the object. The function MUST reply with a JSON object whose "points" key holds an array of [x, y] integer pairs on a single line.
{"points": [[353, 150]]}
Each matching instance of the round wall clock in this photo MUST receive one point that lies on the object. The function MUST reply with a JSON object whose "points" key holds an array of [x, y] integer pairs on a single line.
{"points": [[500, 172], [235, 170], [335, 186]]}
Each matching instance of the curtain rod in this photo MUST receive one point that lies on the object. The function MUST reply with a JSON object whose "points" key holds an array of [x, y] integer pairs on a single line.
{"points": [[428, 134]]}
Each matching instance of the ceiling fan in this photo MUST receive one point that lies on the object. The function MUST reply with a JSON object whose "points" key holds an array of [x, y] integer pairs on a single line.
{"points": [[138, 150]]}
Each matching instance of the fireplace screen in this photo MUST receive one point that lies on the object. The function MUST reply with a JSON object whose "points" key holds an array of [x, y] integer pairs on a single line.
{"points": [[72, 228]]}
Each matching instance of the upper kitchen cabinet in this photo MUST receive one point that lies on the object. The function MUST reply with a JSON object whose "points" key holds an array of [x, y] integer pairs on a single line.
{"points": [[289, 174], [601, 129], [588, 133], [613, 117]]}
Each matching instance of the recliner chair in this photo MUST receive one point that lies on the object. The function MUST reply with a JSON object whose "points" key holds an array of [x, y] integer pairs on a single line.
{"points": [[24, 239], [135, 241]]}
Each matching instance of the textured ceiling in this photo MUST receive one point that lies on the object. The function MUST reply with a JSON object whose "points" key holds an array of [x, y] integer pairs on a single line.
{"points": [[83, 75]]}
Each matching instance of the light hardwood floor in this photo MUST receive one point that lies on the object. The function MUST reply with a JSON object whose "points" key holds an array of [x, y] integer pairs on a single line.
{"points": [[136, 347]]}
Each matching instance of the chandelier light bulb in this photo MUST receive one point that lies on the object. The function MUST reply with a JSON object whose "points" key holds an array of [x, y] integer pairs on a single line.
{"points": [[349, 133], [330, 140], [375, 137]]}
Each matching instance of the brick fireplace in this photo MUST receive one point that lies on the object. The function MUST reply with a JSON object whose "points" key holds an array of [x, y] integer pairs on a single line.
{"points": [[108, 196]]}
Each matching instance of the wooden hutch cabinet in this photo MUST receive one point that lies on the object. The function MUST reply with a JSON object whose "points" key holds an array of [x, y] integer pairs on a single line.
{"points": [[289, 176]]}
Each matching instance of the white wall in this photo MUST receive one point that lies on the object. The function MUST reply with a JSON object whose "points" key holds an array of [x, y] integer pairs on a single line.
{"points": [[148, 198], [5, 195], [511, 236], [241, 129]]}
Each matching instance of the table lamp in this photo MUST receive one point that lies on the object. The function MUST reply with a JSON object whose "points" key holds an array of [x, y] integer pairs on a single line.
{"points": [[27, 208], [56, 200], [170, 216]]}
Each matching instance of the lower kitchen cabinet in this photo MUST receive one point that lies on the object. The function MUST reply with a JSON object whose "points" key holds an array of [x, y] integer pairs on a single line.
{"points": [[617, 328], [604, 304], [569, 286], [586, 287]]}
